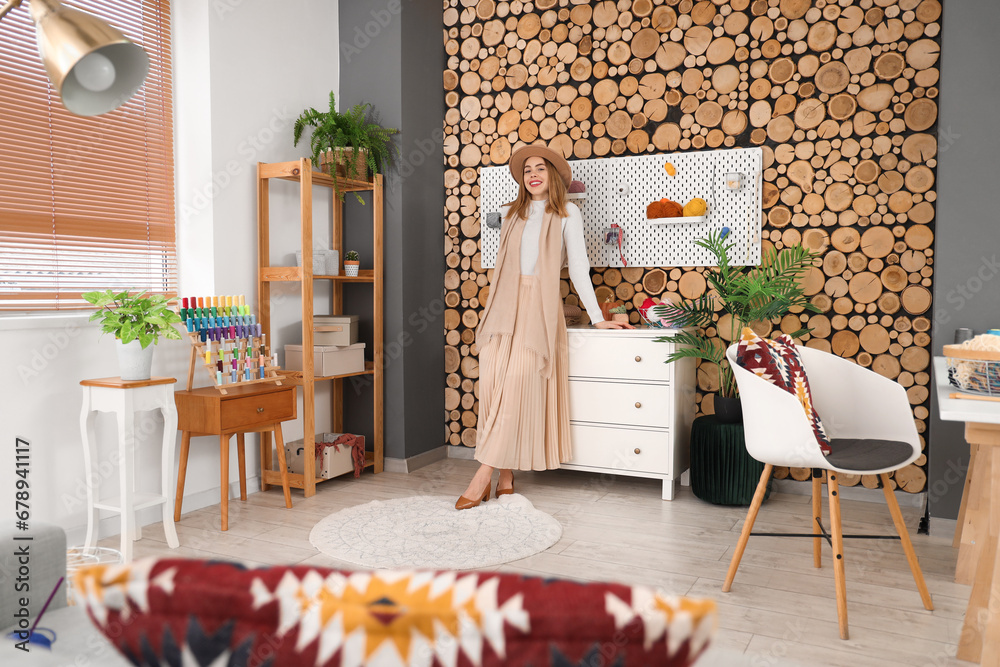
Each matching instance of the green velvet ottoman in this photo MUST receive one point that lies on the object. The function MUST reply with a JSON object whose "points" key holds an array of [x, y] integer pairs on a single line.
{"points": [[722, 472]]}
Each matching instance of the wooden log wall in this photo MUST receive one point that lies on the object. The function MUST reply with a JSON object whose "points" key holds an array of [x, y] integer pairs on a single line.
{"points": [[840, 94]]}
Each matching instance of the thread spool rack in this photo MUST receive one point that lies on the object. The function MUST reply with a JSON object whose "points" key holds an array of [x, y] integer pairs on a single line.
{"points": [[199, 349]]}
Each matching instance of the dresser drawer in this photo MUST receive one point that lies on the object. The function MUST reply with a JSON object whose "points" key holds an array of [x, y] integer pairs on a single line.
{"points": [[618, 357], [258, 409], [628, 403], [625, 449]]}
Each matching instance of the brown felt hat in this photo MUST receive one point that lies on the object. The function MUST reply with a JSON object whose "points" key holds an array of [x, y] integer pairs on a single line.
{"points": [[556, 159]]}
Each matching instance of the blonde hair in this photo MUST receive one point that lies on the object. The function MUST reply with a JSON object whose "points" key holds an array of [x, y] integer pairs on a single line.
{"points": [[556, 203]]}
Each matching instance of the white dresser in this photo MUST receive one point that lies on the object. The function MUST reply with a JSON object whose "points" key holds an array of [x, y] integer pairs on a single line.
{"points": [[630, 413]]}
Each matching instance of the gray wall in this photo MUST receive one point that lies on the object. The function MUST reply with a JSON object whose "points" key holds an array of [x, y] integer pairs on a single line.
{"points": [[966, 292], [406, 92]]}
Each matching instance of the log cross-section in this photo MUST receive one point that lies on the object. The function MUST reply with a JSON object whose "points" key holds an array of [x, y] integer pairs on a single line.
{"points": [[841, 97]]}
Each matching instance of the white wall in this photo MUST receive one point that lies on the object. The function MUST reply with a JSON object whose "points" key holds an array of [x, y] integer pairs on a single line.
{"points": [[243, 73]]}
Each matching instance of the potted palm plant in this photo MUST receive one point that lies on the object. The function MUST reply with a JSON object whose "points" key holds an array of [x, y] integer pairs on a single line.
{"points": [[137, 321], [346, 145], [749, 294]]}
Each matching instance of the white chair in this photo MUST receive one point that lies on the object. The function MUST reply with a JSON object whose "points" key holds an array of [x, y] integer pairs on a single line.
{"points": [[868, 420]]}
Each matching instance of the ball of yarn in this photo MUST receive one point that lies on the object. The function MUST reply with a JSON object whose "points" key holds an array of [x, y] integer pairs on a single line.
{"points": [[671, 209], [654, 210], [696, 206]]}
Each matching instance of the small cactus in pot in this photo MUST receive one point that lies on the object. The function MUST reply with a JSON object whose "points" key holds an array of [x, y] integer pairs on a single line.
{"points": [[351, 263], [618, 313]]}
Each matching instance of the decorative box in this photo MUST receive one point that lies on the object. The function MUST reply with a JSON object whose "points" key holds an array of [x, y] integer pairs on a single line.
{"points": [[335, 461], [335, 329], [328, 359], [325, 262]]}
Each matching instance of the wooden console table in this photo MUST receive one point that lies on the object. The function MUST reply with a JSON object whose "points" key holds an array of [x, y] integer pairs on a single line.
{"points": [[978, 533], [256, 408]]}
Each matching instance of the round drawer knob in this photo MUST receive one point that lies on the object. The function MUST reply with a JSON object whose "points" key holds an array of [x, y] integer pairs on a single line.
{"points": [[638, 404], [260, 409], [638, 358], [638, 451]]}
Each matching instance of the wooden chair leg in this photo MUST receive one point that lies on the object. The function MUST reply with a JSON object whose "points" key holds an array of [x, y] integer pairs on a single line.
{"points": [[182, 473], [904, 538], [838, 552], [758, 499], [224, 467], [817, 507], [241, 456], [279, 443]]}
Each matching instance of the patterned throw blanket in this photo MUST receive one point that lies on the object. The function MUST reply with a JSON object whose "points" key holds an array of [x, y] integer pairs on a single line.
{"points": [[355, 442]]}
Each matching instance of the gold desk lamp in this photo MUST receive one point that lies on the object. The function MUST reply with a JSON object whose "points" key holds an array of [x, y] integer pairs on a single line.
{"points": [[92, 66]]}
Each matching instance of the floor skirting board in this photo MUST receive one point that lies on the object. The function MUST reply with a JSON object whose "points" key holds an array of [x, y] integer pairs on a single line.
{"points": [[461, 452], [862, 493], [942, 527], [419, 461], [917, 500]]}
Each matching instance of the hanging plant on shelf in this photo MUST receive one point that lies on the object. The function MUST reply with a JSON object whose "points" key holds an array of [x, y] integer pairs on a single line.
{"points": [[749, 294], [349, 144]]}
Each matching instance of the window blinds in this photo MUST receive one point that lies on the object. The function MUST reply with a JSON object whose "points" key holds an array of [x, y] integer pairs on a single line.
{"points": [[85, 202]]}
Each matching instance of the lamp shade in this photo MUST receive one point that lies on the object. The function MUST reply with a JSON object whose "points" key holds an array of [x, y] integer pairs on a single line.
{"points": [[92, 66]]}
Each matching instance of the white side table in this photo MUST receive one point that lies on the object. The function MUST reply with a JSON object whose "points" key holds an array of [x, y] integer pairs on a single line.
{"points": [[125, 398]]}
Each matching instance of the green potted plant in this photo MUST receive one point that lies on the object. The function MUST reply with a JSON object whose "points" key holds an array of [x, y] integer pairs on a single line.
{"points": [[748, 294], [351, 263], [352, 141], [618, 313], [136, 320]]}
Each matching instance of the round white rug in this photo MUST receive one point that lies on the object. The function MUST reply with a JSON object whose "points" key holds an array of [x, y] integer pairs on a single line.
{"points": [[427, 532]]}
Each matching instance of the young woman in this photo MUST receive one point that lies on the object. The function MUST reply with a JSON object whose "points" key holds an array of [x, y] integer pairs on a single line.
{"points": [[523, 384]]}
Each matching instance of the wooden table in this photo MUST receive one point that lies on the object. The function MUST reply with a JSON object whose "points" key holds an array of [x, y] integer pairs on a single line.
{"points": [[125, 398], [978, 533], [255, 408]]}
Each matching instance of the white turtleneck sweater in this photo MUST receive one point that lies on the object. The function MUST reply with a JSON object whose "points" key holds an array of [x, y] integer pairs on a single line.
{"points": [[576, 252]]}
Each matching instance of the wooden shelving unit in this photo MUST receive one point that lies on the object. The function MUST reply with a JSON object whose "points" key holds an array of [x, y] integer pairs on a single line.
{"points": [[301, 171]]}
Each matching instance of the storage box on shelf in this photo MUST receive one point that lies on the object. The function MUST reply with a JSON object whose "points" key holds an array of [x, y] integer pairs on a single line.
{"points": [[335, 329], [630, 413], [335, 460], [328, 359], [301, 171]]}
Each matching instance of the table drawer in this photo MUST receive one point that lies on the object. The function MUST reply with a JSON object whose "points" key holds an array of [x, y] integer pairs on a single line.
{"points": [[618, 357], [259, 409], [628, 403], [615, 448]]}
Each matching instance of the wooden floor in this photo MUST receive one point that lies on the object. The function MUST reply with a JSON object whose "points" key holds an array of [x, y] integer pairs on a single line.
{"points": [[618, 529]]}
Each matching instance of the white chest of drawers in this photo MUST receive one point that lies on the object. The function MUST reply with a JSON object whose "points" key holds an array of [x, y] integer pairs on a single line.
{"points": [[630, 413]]}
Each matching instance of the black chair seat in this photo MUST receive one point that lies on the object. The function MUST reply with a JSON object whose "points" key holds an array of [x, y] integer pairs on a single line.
{"points": [[865, 454]]}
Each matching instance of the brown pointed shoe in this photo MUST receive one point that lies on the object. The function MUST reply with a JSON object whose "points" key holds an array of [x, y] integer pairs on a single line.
{"points": [[464, 503], [505, 492]]}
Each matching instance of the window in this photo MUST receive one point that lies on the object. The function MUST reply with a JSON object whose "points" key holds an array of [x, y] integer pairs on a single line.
{"points": [[85, 203]]}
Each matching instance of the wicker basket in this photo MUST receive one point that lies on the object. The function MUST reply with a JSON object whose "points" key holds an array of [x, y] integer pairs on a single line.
{"points": [[973, 371], [342, 156]]}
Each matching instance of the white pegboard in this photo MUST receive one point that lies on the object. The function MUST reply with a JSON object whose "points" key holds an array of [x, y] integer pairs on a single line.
{"points": [[699, 174]]}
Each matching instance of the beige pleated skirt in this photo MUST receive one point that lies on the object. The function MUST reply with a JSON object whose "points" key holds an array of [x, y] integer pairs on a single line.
{"points": [[523, 416]]}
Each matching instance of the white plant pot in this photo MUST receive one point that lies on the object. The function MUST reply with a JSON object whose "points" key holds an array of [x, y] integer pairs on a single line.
{"points": [[351, 269], [135, 363]]}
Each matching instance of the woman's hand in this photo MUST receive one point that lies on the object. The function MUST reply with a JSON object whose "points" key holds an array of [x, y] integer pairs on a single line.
{"points": [[608, 324]]}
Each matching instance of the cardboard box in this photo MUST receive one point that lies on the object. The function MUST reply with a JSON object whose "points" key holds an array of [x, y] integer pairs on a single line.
{"points": [[335, 329], [333, 462], [328, 359]]}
